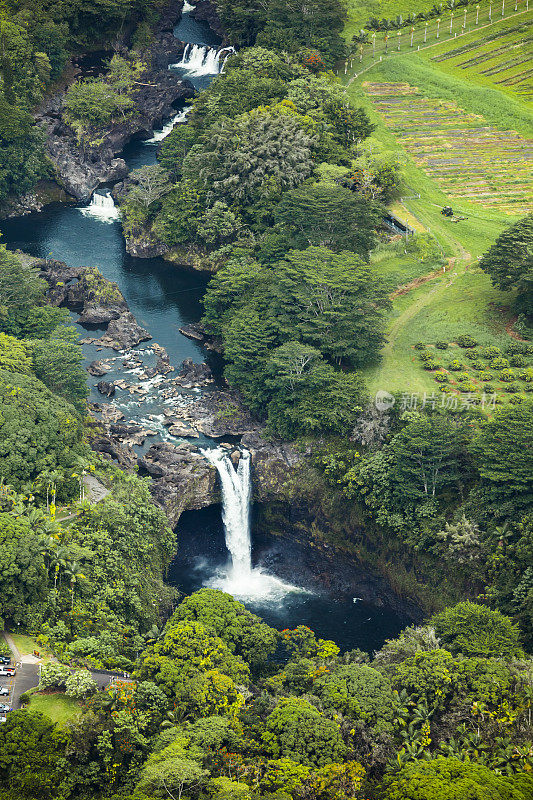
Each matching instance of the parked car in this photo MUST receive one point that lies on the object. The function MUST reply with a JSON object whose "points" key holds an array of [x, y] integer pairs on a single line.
{"points": [[4, 691], [4, 708], [7, 672], [5, 659]]}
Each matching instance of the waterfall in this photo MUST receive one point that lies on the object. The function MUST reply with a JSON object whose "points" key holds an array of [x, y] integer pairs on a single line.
{"points": [[102, 207], [186, 7], [166, 129], [235, 507], [200, 59], [241, 579]]}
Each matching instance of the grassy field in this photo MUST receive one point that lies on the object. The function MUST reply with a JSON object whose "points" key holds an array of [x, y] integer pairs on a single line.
{"points": [[473, 235], [449, 128], [26, 644], [57, 706]]}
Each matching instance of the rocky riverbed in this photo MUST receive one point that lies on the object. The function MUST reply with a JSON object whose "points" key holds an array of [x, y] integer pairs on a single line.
{"points": [[190, 405]]}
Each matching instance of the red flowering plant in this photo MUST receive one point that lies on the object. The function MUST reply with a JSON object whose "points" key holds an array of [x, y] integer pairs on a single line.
{"points": [[312, 60]]}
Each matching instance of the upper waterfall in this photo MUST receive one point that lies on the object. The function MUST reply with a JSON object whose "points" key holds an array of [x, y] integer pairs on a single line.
{"points": [[200, 59], [241, 579]]}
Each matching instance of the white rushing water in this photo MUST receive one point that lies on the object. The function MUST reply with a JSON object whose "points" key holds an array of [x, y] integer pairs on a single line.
{"points": [[166, 129], [198, 59], [102, 207], [241, 579]]}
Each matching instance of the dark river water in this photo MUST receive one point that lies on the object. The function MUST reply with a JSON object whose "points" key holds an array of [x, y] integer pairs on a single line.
{"points": [[163, 298]]}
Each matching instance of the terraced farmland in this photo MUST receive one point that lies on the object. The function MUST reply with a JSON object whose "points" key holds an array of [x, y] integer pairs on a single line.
{"points": [[467, 158], [504, 58]]}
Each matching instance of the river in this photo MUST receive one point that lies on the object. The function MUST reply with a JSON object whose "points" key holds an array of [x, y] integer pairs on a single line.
{"points": [[163, 298]]}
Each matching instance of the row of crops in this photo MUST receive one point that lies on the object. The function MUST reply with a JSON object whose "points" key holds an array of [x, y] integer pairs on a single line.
{"points": [[505, 56], [465, 367], [467, 158]]}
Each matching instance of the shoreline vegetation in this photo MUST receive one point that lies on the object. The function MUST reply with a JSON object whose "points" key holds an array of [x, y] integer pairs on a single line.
{"points": [[399, 367]]}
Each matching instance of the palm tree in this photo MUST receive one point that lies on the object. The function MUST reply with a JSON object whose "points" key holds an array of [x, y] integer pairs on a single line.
{"points": [[59, 558], [73, 571], [80, 470], [48, 480]]}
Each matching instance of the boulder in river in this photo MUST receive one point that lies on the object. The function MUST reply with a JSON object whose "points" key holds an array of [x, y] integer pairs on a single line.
{"points": [[106, 445], [193, 375], [124, 333], [110, 413], [183, 431], [107, 388], [219, 414], [98, 368]]}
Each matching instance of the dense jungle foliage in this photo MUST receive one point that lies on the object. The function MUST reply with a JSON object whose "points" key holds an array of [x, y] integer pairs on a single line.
{"points": [[271, 184]]}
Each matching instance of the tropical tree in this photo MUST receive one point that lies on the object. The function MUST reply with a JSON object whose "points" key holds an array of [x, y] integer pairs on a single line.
{"points": [[331, 301], [509, 262], [504, 457], [151, 184], [80, 684], [241, 157], [297, 730], [474, 630], [429, 457], [72, 571], [332, 217], [446, 779]]}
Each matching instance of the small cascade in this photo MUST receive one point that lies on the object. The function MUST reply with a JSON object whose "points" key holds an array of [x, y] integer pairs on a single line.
{"points": [[200, 59], [241, 579], [166, 129], [102, 206], [186, 7]]}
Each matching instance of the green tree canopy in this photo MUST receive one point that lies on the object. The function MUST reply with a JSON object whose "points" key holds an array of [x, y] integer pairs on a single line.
{"points": [[448, 779], [332, 301], [504, 457], [32, 757], [317, 24], [429, 457], [23, 576], [360, 692], [332, 217], [239, 158], [20, 287], [473, 630], [509, 262], [38, 431], [186, 650], [297, 730], [245, 634]]}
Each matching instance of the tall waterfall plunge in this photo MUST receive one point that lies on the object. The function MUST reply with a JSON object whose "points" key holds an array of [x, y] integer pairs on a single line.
{"points": [[241, 579]]}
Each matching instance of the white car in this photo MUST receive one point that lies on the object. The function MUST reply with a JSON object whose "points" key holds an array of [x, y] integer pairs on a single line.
{"points": [[4, 691], [4, 708], [7, 672]]}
